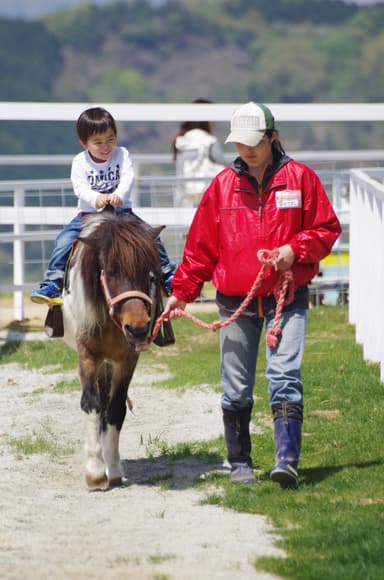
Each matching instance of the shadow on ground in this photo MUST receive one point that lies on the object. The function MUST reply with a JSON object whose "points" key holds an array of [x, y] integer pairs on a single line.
{"points": [[316, 474], [165, 470]]}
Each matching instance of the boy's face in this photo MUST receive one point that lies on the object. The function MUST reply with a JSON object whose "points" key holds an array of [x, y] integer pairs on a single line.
{"points": [[100, 145]]}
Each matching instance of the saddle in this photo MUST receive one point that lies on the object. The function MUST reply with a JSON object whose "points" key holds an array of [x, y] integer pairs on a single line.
{"points": [[53, 325]]}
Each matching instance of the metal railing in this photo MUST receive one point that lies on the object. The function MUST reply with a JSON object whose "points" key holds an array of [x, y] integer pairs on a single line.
{"points": [[33, 212]]}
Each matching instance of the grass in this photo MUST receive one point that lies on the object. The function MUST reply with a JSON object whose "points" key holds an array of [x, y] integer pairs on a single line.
{"points": [[39, 354], [38, 443], [332, 527]]}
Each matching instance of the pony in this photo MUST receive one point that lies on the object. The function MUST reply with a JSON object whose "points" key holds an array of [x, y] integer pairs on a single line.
{"points": [[109, 308]]}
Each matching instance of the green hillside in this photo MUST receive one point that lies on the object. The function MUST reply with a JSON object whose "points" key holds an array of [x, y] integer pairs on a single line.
{"points": [[281, 51]]}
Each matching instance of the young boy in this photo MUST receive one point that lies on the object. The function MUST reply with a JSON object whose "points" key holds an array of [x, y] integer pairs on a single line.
{"points": [[102, 174]]}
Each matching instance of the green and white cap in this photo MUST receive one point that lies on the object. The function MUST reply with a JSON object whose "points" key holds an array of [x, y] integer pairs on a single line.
{"points": [[249, 124]]}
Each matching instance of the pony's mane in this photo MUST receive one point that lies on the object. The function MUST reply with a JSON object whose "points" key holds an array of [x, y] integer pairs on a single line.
{"points": [[119, 243]]}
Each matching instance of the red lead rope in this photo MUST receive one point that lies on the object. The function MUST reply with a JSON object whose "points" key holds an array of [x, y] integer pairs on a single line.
{"points": [[283, 292]]}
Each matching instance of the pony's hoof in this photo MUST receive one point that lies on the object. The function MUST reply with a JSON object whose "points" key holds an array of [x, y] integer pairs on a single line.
{"points": [[94, 483], [115, 482]]}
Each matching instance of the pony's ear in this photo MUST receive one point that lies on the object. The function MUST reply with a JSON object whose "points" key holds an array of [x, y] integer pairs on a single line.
{"points": [[156, 231], [92, 243]]}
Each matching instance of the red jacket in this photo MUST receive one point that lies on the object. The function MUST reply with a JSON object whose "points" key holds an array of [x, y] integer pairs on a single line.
{"points": [[234, 220]]}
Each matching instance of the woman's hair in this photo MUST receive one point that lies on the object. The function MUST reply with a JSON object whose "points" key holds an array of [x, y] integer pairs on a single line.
{"points": [[189, 125], [276, 143], [95, 120]]}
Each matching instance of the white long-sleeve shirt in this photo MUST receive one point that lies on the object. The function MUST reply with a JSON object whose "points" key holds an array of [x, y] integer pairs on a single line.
{"points": [[89, 179]]}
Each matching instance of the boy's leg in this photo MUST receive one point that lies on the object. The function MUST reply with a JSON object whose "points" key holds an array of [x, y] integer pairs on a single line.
{"points": [[51, 287], [167, 267]]}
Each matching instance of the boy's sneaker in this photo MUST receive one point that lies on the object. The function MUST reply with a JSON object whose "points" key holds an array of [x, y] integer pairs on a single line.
{"points": [[49, 294]]}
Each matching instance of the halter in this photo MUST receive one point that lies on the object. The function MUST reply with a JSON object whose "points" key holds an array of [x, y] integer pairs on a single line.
{"points": [[129, 294]]}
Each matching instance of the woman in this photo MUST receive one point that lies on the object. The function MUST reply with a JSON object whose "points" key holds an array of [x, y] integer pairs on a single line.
{"points": [[264, 201]]}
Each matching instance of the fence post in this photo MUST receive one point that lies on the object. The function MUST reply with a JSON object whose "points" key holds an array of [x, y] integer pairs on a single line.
{"points": [[366, 275], [18, 252]]}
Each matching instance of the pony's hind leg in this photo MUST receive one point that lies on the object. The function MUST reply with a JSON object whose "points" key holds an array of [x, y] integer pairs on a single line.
{"points": [[93, 404]]}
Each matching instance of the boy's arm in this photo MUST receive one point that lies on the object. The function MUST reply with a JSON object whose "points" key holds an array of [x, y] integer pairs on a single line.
{"points": [[80, 184], [127, 179]]}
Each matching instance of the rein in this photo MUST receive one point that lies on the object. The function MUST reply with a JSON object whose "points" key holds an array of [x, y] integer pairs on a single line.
{"points": [[283, 292], [129, 294]]}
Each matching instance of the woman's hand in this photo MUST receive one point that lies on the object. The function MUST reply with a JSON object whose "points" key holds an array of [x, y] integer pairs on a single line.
{"points": [[284, 258], [174, 308]]}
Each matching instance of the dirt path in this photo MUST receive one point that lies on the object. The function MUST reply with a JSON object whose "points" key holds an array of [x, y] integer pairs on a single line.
{"points": [[51, 527]]}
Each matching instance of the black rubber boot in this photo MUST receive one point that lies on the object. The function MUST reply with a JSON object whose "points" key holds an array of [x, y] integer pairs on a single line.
{"points": [[288, 418], [238, 441]]}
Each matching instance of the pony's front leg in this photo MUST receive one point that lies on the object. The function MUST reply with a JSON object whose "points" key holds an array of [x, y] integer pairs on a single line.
{"points": [[117, 409], [95, 474]]}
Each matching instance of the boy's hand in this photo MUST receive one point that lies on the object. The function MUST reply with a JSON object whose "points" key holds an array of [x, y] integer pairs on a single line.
{"points": [[101, 201], [114, 199]]}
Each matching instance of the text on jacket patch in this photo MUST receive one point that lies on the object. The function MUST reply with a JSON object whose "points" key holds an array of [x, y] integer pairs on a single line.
{"points": [[288, 198]]}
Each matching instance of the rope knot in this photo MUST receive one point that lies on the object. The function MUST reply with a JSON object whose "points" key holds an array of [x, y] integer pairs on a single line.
{"points": [[267, 256], [216, 325], [273, 336]]}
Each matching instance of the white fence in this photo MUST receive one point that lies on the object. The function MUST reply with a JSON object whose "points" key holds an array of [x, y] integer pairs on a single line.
{"points": [[32, 213], [366, 274], [357, 195], [291, 112]]}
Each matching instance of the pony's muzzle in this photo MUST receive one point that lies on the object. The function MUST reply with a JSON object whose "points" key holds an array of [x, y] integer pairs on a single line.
{"points": [[138, 333], [137, 337], [134, 319]]}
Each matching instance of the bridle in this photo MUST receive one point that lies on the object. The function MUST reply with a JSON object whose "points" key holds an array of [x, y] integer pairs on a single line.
{"points": [[128, 295]]}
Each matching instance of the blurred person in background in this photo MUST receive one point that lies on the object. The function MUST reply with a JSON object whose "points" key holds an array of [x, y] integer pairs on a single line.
{"points": [[197, 153]]}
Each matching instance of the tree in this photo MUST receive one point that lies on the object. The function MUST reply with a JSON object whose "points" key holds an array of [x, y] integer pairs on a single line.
{"points": [[290, 69], [372, 67], [120, 85]]}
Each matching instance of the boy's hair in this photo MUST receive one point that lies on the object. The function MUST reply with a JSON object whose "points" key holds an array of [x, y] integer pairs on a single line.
{"points": [[95, 120]]}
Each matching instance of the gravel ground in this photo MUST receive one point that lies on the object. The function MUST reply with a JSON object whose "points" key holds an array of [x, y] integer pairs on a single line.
{"points": [[52, 527]]}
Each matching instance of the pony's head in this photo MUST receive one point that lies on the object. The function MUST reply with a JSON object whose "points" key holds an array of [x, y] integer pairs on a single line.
{"points": [[120, 269]]}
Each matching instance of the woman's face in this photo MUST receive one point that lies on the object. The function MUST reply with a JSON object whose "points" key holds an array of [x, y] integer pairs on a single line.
{"points": [[259, 156]]}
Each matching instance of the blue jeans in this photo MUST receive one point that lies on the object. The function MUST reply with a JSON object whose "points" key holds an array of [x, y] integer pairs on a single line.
{"points": [[65, 239], [239, 346]]}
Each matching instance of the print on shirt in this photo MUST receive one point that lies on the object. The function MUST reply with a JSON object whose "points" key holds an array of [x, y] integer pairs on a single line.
{"points": [[104, 181]]}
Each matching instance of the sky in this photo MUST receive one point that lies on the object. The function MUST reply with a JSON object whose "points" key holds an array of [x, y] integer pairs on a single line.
{"points": [[30, 9]]}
